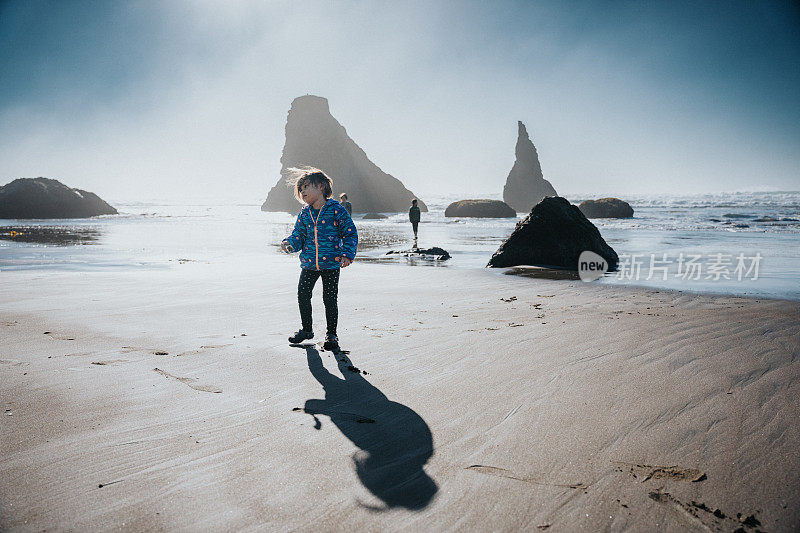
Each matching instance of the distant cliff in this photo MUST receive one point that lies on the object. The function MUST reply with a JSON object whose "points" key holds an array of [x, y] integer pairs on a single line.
{"points": [[49, 198], [314, 138], [525, 186]]}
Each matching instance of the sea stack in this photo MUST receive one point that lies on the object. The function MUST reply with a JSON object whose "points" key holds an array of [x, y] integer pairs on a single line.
{"points": [[314, 138], [525, 185], [49, 198]]}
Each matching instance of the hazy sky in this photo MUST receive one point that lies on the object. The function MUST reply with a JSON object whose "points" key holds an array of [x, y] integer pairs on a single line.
{"points": [[170, 99]]}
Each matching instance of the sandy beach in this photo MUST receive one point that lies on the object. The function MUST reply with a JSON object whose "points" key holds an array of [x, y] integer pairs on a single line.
{"points": [[148, 400], [166, 167]]}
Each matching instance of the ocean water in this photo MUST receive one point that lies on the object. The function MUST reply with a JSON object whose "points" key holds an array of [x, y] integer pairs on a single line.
{"points": [[734, 243]]}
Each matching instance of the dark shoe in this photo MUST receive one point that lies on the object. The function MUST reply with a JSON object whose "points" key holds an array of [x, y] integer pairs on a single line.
{"points": [[301, 336], [331, 342]]}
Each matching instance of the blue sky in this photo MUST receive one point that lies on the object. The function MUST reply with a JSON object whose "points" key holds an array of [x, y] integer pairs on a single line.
{"points": [[146, 99]]}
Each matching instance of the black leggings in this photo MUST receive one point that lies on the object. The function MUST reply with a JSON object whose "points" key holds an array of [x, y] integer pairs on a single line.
{"points": [[330, 293]]}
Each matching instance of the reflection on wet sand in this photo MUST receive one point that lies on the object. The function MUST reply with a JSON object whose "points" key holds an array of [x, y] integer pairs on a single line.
{"points": [[375, 236], [52, 235], [411, 261], [371, 236]]}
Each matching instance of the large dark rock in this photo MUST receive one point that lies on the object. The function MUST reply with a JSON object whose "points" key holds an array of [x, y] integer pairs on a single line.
{"points": [[553, 235], [374, 216], [315, 139], [480, 209], [606, 208], [48, 198], [525, 186]]}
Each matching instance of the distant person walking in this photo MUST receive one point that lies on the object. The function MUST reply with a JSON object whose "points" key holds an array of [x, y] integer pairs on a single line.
{"points": [[347, 205], [413, 217], [326, 238]]}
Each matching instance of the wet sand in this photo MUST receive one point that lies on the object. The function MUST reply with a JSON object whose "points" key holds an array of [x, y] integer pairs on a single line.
{"points": [[468, 400]]}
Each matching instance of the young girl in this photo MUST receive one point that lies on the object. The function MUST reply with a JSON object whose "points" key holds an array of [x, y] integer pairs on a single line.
{"points": [[327, 239]]}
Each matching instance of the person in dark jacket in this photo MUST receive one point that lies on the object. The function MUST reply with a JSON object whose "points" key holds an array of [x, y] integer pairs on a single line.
{"points": [[327, 239], [347, 205], [413, 217]]}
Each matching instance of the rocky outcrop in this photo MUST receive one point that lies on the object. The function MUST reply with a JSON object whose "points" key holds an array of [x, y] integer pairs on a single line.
{"points": [[374, 216], [525, 186], [315, 139], [49, 198], [606, 208], [553, 235], [480, 209]]}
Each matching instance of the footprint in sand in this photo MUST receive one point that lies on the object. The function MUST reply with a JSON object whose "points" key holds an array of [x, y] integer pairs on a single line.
{"points": [[502, 472], [78, 354], [700, 515], [204, 348], [189, 382], [61, 338], [129, 349], [647, 472], [151, 351], [109, 362]]}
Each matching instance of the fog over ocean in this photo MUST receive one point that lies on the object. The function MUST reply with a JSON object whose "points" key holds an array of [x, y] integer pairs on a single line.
{"points": [[230, 235]]}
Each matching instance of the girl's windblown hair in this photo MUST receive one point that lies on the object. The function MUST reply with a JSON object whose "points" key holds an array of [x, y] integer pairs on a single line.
{"points": [[297, 177]]}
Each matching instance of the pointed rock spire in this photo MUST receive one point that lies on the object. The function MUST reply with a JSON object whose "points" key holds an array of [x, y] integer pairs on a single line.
{"points": [[314, 138], [525, 186]]}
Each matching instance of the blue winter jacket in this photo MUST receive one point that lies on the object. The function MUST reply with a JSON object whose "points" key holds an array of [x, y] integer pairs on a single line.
{"points": [[325, 240]]}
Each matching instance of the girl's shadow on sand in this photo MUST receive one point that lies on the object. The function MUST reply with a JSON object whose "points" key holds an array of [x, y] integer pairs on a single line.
{"points": [[394, 441]]}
